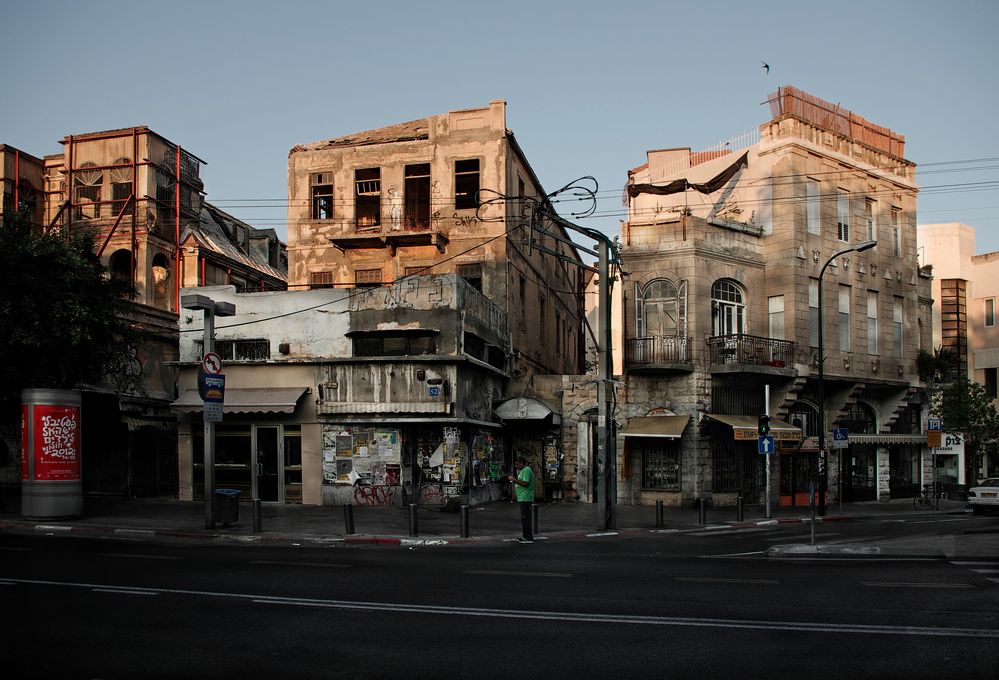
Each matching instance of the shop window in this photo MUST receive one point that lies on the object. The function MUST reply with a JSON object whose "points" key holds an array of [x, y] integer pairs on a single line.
{"points": [[417, 197], [368, 198], [660, 464], [466, 184], [321, 187], [292, 464]]}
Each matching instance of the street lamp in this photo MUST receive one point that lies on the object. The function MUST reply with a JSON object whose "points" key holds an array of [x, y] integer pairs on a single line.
{"points": [[823, 471], [211, 309]]}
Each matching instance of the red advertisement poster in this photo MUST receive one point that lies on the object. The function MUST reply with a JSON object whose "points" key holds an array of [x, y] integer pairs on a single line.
{"points": [[24, 441], [57, 442]]}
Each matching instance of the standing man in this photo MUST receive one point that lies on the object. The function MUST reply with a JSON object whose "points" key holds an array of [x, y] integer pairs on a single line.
{"points": [[524, 482]]}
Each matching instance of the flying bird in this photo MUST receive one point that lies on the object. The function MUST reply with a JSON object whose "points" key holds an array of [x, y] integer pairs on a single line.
{"points": [[766, 67]]}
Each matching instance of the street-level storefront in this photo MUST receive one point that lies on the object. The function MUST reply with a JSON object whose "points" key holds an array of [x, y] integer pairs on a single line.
{"points": [[427, 462], [884, 466], [534, 432], [652, 449], [738, 468], [258, 445]]}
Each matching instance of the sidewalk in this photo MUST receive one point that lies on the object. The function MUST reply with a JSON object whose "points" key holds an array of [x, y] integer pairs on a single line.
{"points": [[298, 525]]}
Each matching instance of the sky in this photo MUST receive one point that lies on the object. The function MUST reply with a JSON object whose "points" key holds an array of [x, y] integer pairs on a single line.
{"points": [[589, 86]]}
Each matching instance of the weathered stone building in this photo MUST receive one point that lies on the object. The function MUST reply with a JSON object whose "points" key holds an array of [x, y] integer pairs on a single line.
{"points": [[141, 196], [434, 325], [722, 257]]}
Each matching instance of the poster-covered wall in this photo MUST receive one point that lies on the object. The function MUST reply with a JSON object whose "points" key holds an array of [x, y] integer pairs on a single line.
{"points": [[366, 462]]}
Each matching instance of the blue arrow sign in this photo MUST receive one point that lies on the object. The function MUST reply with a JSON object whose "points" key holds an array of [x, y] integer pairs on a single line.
{"points": [[766, 445]]}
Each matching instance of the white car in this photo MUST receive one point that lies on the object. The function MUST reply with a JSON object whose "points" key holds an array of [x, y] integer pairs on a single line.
{"points": [[985, 496]]}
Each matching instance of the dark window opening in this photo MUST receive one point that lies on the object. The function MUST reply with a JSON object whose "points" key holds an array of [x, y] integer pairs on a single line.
{"points": [[466, 184], [417, 215], [394, 345], [497, 357], [660, 463], [475, 346], [368, 198], [120, 193], [990, 383], [472, 273], [322, 196], [241, 350]]}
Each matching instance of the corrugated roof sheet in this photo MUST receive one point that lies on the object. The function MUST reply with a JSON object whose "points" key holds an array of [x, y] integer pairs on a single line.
{"points": [[213, 232]]}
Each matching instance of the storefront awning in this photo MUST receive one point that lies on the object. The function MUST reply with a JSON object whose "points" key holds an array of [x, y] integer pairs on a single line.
{"points": [[523, 408], [394, 407], [887, 439], [670, 427], [744, 428], [246, 400]]}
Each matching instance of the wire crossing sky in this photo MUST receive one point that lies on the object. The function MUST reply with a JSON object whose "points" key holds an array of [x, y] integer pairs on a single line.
{"points": [[590, 86]]}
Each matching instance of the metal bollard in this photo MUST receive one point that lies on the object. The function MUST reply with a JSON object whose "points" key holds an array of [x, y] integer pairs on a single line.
{"points": [[255, 511], [659, 514], [414, 529], [738, 508], [348, 519], [702, 511], [464, 521], [534, 518]]}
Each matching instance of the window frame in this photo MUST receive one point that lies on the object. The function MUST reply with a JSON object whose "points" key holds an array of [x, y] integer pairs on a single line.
{"points": [[727, 314], [897, 316], [321, 195], [843, 215], [843, 318], [813, 206], [990, 312], [368, 199], [872, 322], [467, 197]]}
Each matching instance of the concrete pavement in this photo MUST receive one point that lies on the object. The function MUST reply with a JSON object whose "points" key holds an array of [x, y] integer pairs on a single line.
{"points": [[298, 525]]}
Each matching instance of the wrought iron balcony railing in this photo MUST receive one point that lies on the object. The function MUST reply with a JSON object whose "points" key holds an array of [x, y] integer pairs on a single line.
{"points": [[751, 349], [657, 350]]}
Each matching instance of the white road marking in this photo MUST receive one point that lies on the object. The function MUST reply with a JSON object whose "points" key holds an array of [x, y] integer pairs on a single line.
{"points": [[571, 617], [489, 572], [331, 565], [125, 591], [739, 554], [889, 584], [986, 571], [602, 533], [136, 556], [696, 579], [975, 564]]}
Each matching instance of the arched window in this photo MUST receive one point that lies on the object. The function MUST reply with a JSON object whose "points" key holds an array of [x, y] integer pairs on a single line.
{"points": [[860, 419], [87, 191], [661, 310], [120, 264], [728, 311], [161, 281], [806, 417], [121, 186]]}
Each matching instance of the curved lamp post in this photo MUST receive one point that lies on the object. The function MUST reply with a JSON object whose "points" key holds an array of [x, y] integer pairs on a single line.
{"points": [[823, 471]]}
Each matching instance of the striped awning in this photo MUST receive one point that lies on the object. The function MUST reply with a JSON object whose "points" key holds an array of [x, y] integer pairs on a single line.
{"points": [[355, 407], [914, 439]]}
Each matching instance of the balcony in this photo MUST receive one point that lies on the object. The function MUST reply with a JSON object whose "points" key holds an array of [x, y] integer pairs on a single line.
{"points": [[410, 231], [750, 354], [658, 355]]}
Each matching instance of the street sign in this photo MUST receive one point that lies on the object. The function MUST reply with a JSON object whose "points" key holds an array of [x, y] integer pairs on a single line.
{"points": [[841, 438], [934, 424], [766, 445], [212, 364], [933, 439], [214, 398]]}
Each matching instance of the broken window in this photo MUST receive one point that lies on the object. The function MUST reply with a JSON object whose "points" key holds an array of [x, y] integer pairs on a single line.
{"points": [[417, 216], [87, 192], [165, 187], [368, 198], [365, 278], [121, 187], [321, 184], [472, 273], [466, 184]]}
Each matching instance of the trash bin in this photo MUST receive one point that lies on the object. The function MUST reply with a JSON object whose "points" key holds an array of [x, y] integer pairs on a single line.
{"points": [[227, 506]]}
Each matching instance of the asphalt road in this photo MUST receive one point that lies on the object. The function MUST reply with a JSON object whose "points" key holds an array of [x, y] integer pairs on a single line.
{"points": [[703, 604]]}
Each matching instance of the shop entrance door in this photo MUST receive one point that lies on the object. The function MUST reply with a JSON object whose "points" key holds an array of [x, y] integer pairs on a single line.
{"points": [[266, 454]]}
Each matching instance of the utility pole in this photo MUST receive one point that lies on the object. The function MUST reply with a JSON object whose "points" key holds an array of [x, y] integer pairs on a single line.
{"points": [[606, 451]]}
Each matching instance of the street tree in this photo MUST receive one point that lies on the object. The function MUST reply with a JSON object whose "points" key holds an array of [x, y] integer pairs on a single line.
{"points": [[966, 408], [63, 319]]}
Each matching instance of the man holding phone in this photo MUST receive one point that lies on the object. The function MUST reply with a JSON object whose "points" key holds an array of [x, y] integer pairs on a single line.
{"points": [[524, 484]]}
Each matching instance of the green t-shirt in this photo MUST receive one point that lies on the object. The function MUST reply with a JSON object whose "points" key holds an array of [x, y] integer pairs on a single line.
{"points": [[525, 493]]}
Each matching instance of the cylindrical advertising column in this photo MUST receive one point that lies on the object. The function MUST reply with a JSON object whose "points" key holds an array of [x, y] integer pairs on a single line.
{"points": [[51, 483]]}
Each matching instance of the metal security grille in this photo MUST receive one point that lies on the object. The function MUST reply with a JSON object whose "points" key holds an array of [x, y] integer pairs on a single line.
{"points": [[660, 464]]}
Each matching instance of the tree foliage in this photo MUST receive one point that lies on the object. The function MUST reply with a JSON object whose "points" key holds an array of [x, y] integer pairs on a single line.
{"points": [[965, 407], [63, 320]]}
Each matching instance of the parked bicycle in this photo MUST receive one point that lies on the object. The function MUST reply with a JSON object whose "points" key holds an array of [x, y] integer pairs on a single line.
{"points": [[924, 501]]}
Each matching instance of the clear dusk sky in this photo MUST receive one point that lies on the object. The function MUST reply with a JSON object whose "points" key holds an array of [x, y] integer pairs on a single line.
{"points": [[590, 86]]}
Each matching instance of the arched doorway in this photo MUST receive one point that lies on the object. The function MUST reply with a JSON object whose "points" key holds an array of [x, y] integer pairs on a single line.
{"points": [[161, 281], [120, 264], [799, 461]]}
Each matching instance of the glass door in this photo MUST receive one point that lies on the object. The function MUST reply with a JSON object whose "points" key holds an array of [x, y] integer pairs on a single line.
{"points": [[266, 457]]}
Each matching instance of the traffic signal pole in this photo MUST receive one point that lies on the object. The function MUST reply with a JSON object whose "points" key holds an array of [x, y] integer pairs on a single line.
{"points": [[766, 412]]}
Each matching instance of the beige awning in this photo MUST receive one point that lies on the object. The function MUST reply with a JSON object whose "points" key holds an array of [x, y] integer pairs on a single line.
{"points": [[246, 400], [670, 427], [745, 427]]}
